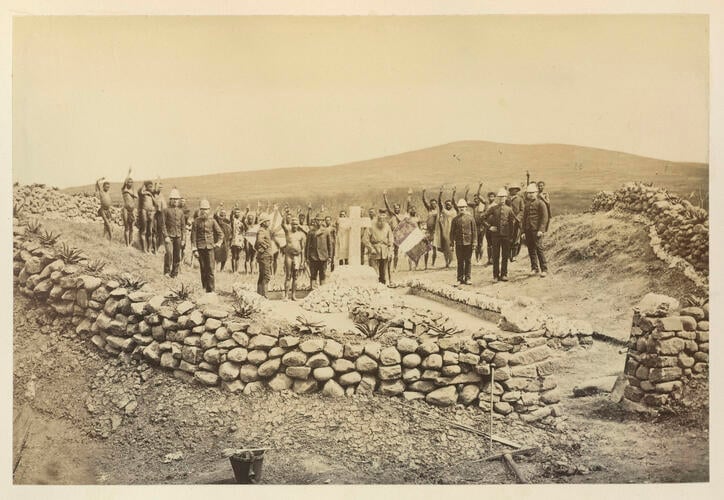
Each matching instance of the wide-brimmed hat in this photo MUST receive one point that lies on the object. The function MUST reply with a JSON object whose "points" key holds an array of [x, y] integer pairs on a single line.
{"points": [[502, 192]]}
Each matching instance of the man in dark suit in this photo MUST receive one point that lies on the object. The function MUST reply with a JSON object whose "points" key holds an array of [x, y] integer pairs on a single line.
{"points": [[501, 222], [464, 237], [264, 254], [205, 236], [318, 250]]}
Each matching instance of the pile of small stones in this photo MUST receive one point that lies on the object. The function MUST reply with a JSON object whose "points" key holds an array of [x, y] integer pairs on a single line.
{"points": [[49, 202]]}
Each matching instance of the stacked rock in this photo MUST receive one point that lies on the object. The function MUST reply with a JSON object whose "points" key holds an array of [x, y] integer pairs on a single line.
{"points": [[667, 348], [522, 315], [207, 344], [40, 200], [682, 227]]}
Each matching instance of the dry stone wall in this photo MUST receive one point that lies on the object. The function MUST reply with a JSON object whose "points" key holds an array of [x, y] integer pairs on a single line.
{"points": [[49, 202], [668, 346], [206, 344], [682, 229]]}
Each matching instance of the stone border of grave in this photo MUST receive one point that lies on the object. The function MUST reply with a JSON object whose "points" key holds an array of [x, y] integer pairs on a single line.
{"points": [[668, 347], [205, 344], [523, 316]]}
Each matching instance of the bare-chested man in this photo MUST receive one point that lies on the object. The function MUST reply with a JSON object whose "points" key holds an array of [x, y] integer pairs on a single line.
{"points": [[294, 257], [146, 216], [129, 205], [103, 190]]}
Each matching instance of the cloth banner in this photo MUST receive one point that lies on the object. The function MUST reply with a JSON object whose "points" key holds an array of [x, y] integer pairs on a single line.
{"points": [[411, 240]]}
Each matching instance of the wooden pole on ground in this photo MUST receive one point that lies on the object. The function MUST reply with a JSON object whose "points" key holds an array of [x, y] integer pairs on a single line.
{"points": [[514, 467], [492, 386]]}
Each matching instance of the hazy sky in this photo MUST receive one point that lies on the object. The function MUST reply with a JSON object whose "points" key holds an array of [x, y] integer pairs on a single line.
{"points": [[176, 96]]}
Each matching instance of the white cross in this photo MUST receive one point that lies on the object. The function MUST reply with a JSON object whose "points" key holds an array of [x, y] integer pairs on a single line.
{"points": [[355, 223]]}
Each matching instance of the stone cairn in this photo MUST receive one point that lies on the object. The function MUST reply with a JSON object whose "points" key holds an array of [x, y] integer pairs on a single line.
{"points": [[682, 228], [667, 348], [48, 202], [207, 344]]}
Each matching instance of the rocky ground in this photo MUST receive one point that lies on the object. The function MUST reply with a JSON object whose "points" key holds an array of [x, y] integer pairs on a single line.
{"points": [[94, 419]]}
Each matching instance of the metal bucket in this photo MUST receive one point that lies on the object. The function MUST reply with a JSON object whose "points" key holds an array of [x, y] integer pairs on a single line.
{"points": [[247, 466]]}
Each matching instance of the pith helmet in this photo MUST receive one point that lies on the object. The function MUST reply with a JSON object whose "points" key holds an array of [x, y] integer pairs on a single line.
{"points": [[204, 204], [264, 218], [462, 203], [502, 192], [174, 194], [514, 188], [532, 188]]}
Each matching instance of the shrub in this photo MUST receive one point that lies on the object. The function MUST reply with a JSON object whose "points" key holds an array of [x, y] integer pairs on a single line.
{"points": [[69, 254]]}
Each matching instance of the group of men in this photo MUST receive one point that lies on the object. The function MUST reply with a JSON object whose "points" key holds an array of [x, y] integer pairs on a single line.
{"points": [[313, 244]]}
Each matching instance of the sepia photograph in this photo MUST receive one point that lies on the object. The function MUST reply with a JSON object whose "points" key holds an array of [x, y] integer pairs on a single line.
{"points": [[360, 250]]}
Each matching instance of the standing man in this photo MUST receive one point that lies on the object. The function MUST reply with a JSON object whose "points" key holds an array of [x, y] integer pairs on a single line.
{"points": [[464, 237], [318, 251], [293, 256], [431, 227], [372, 215], [146, 215], [159, 203], [173, 231], [535, 222], [237, 238], [205, 236], [488, 235], [444, 221], [332, 230], [501, 221], [129, 205], [264, 250], [516, 204], [395, 217], [104, 196], [543, 196], [379, 240]]}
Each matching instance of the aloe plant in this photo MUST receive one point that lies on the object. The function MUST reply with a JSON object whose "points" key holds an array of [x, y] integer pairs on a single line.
{"points": [[34, 226], [372, 328], [131, 283], [69, 254], [97, 265], [245, 308], [48, 239], [183, 292]]}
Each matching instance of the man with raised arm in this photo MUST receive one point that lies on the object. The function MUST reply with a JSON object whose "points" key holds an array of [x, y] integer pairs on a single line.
{"points": [[448, 212], [129, 206], [103, 190], [431, 227], [146, 216]]}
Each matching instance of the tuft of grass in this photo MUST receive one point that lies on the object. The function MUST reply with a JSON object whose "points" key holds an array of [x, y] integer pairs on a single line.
{"points": [[695, 301], [245, 307], [307, 325], [17, 209], [49, 238], [183, 292], [97, 265], [131, 283], [69, 254], [34, 226], [445, 330]]}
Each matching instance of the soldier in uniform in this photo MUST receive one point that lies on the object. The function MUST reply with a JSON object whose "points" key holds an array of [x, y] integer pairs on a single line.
{"points": [[173, 231], [501, 223], [205, 236], [535, 222], [543, 196]]}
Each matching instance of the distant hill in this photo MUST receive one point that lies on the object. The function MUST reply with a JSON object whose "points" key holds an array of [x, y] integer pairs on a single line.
{"points": [[572, 174]]}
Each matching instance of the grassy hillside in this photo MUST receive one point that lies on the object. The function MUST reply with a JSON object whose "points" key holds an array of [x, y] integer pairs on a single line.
{"points": [[573, 174]]}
